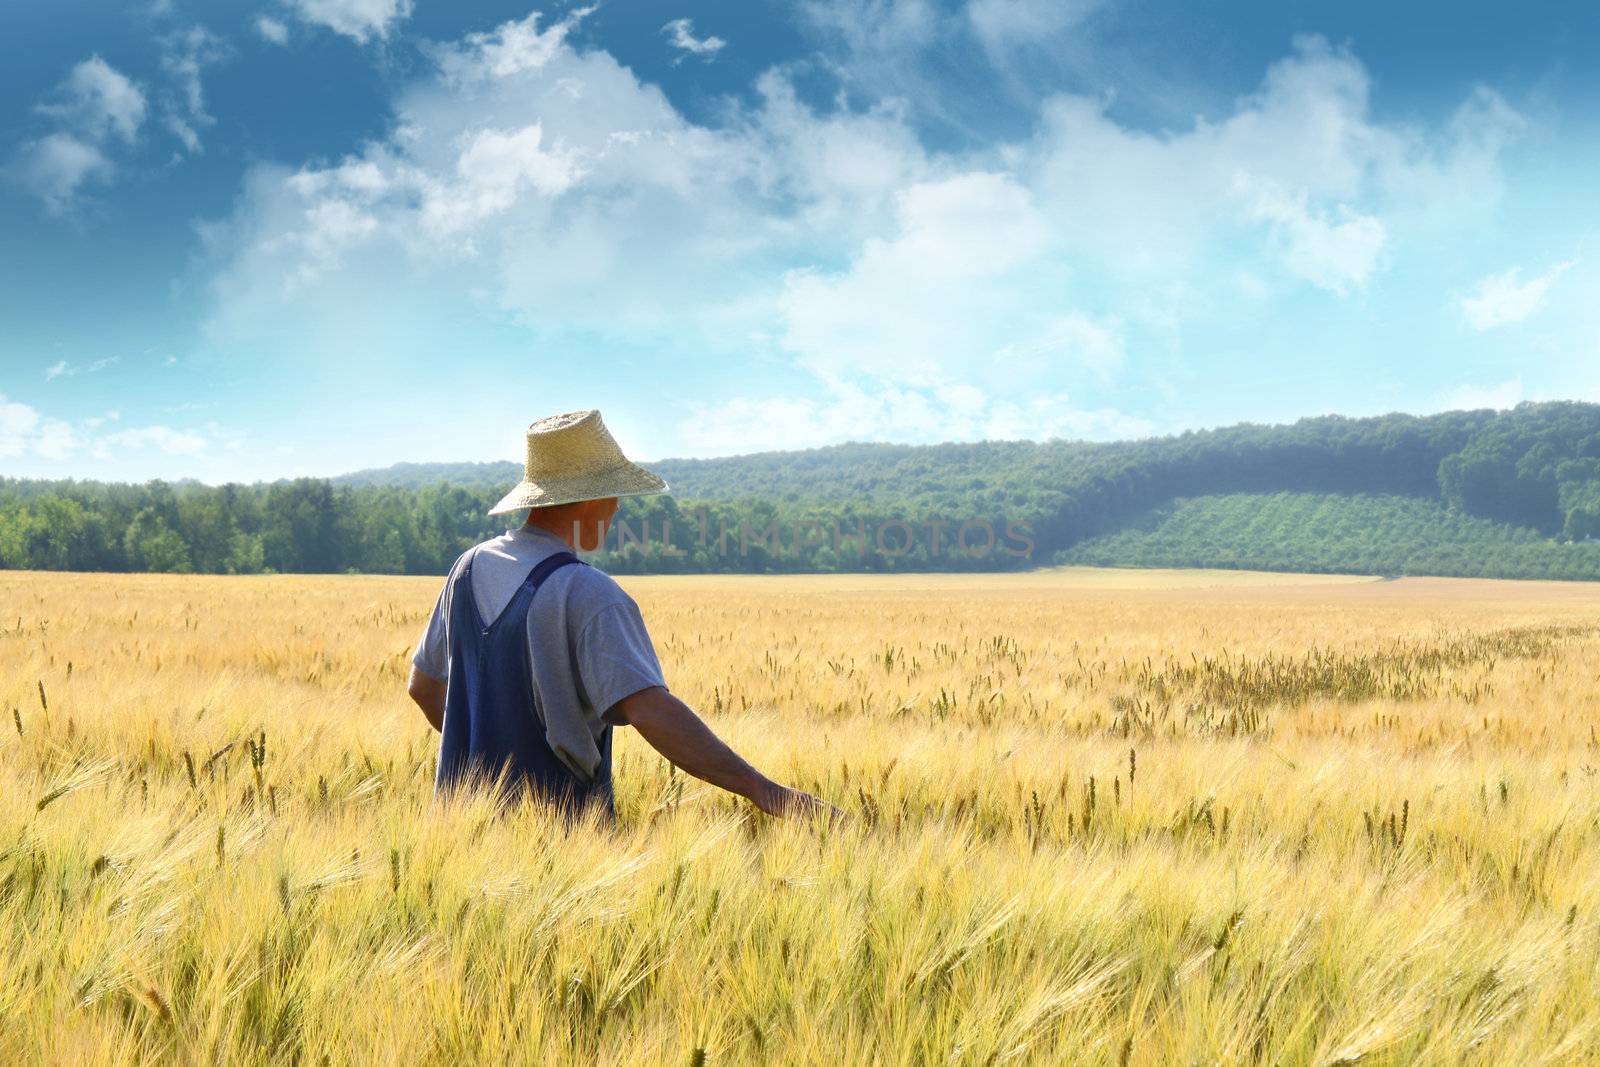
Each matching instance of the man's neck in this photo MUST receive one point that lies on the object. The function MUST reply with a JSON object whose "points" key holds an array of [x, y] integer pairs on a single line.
{"points": [[562, 531]]}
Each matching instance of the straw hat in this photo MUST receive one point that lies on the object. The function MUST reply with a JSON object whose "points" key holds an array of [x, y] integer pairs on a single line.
{"points": [[573, 457]]}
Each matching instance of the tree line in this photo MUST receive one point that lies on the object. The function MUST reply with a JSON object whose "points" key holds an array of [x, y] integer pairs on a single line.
{"points": [[981, 506]]}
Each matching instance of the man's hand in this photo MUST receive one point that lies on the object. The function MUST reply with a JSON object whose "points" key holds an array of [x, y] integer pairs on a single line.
{"points": [[794, 803], [428, 692], [674, 730]]}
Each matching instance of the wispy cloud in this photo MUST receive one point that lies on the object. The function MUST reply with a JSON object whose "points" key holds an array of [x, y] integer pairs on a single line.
{"points": [[162, 438], [94, 107], [184, 57], [360, 20], [1500, 299], [98, 101], [852, 412], [272, 29], [680, 34], [1506, 394], [62, 369]]}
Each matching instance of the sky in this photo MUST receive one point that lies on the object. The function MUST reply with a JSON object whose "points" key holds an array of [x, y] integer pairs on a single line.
{"points": [[252, 239]]}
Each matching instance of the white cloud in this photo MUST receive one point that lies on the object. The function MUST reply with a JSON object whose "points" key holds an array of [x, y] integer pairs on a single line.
{"points": [[1005, 24], [490, 174], [1507, 394], [61, 368], [1501, 299], [680, 34], [1074, 340], [512, 48], [185, 55], [547, 187], [94, 105], [1299, 170], [957, 282], [98, 101], [553, 184], [23, 431], [99, 111], [162, 438], [1337, 250], [272, 29], [906, 414], [28, 434], [360, 20], [56, 167]]}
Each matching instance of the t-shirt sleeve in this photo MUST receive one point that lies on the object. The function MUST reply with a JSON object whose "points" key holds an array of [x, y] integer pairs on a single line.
{"points": [[433, 651], [615, 656]]}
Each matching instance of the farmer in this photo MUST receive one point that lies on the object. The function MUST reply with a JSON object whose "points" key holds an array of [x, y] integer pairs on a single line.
{"points": [[532, 656]]}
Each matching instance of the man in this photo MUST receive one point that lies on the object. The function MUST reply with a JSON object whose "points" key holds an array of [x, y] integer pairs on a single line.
{"points": [[531, 656]]}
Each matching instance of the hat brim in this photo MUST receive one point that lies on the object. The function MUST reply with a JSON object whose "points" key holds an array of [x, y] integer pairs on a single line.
{"points": [[630, 479]]}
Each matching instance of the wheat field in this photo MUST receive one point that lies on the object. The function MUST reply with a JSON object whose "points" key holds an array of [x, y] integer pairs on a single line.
{"points": [[1095, 817]]}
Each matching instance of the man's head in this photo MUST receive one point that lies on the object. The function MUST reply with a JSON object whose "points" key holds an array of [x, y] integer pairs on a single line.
{"points": [[582, 523], [573, 461]]}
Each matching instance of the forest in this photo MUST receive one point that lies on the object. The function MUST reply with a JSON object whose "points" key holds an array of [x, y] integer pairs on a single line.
{"points": [[1513, 493]]}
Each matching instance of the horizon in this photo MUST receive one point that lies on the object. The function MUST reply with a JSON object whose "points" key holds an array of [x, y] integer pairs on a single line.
{"points": [[182, 480], [274, 239]]}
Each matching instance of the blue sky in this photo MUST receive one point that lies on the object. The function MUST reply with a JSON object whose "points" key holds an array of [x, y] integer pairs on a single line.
{"points": [[246, 240]]}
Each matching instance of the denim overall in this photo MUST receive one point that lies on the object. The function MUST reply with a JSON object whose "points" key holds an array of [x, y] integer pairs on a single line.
{"points": [[490, 721]]}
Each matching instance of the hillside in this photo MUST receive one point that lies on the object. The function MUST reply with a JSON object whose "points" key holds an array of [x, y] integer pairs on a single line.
{"points": [[1332, 533], [1528, 477]]}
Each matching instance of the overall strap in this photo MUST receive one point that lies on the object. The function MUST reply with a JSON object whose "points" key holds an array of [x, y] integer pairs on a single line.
{"points": [[546, 567]]}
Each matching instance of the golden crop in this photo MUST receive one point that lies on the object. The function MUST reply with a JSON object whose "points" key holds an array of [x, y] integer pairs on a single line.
{"points": [[1096, 818]]}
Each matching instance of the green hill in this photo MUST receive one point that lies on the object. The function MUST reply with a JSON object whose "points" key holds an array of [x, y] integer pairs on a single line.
{"points": [[1335, 533], [1511, 493]]}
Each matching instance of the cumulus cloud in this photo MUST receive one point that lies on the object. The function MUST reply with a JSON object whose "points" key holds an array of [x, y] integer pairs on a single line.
{"points": [[958, 281], [30, 437], [1336, 250], [517, 47], [1501, 299], [23, 431], [1299, 167], [547, 186], [360, 20]]}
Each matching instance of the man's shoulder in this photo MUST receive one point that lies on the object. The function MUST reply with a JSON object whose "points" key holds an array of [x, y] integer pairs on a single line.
{"points": [[466, 557], [595, 587], [589, 592]]}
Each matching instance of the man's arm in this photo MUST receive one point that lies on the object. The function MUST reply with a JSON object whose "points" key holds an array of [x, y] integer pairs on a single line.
{"points": [[428, 692], [674, 730]]}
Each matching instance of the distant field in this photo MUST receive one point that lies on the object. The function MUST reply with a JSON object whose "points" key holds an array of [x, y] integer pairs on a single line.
{"points": [[1333, 532], [1119, 817]]}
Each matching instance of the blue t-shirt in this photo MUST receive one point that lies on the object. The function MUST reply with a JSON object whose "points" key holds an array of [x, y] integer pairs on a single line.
{"points": [[587, 643]]}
